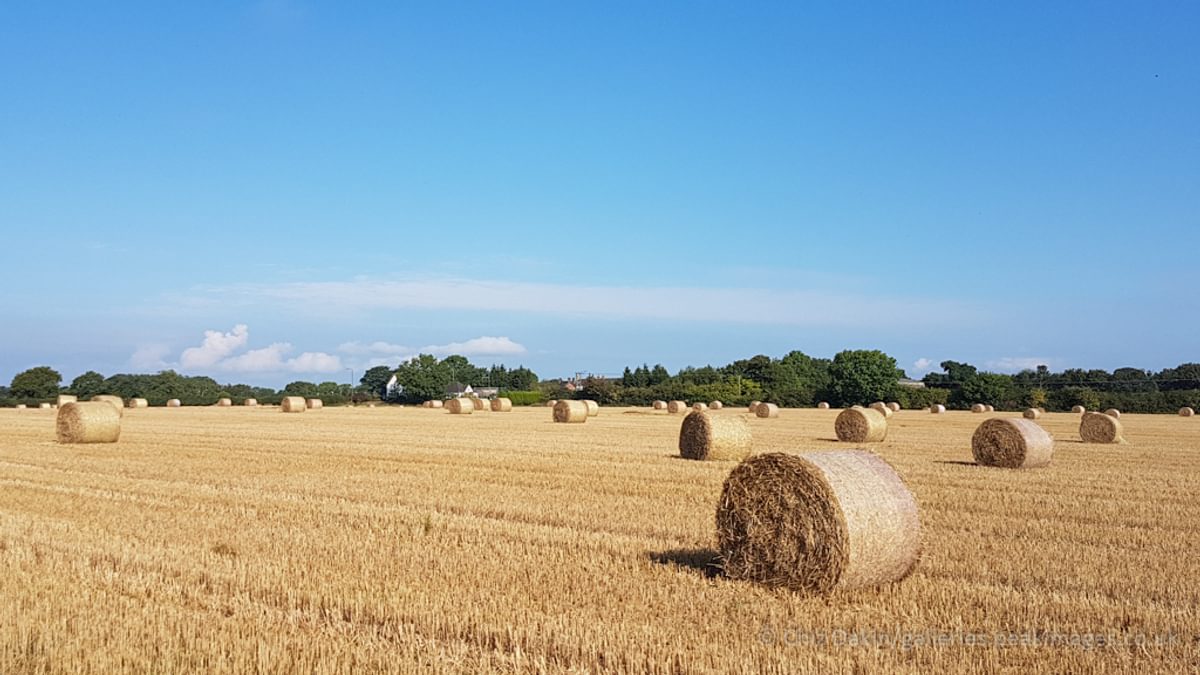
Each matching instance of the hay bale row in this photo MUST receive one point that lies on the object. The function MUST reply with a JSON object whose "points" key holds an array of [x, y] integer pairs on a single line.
{"points": [[676, 407], [1097, 427], [92, 422], [293, 404], [115, 401], [460, 406], [570, 412], [501, 405], [705, 436], [1012, 444], [766, 411], [860, 425], [818, 522], [937, 409]]}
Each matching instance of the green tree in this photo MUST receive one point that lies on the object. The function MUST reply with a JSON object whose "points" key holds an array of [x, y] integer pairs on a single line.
{"points": [[862, 377], [990, 388], [423, 378], [36, 383], [87, 385], [300, 388], [375, 379]]}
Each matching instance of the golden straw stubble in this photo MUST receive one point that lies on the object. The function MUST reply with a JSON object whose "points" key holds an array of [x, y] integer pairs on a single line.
{"points": [[714, 437], [90, 422], [818, 522], [1012, 443], [860, 425]]}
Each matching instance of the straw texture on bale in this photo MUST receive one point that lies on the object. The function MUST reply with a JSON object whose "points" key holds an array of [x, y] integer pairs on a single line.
{"points": [[660, 405], [895, 406], [1031, 413], [698, 406], [716, 405], [766, 410], [882, 408], [1186, 412], [818, 522], [293, 404], [478, 403], [174, 403], [978, 408], [675, 407], [822, 406], [501, 405], [65, 398], [1012, 443], [460, 406], [1100, 428], [1113, 412], [937, 409], [225, 402], [593, 408], [860, 425], [138, 403], [94, 422], [720, 438], [115, 401], [1078, 410], [573, 412], [314, 403], [250, 402]]}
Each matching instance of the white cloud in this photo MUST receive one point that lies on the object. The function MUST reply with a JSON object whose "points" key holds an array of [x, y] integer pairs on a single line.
{"points": [[1014, 364], [216, 346], [923, 365], [150, 358], [480, 346], [377, 348], [315, 362]]}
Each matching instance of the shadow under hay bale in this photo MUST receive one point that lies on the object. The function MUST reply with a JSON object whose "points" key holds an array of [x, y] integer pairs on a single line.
{"points": [[818, 522], [705, 436], [860, 425], [1012, 443], [706, 561], [93, 422]]}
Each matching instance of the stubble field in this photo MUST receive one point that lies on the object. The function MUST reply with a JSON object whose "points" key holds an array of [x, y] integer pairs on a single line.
{"points": [[403, 540]]}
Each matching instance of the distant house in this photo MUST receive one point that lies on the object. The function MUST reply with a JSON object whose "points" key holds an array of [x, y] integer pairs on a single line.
{"points": [[911, 384], [458, 390], [393, 388], [487, 392]]}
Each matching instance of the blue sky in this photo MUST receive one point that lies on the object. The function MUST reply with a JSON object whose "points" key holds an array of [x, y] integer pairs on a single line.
{"points": [[292, 189]]}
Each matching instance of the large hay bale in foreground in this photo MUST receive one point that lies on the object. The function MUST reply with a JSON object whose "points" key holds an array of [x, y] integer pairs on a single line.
{"points": [[1186, 412], [460, 406], [823, 406], [63, 399], [1012, 443], [818, 522], [94, 422], [1078, 410], [716, 405], [174, 403], [676, 407], [115, 401], [224, 403], [882, 408], [501, 405], [978, 408], [698, 406], [138, 403], [721, 438], [766, 411], [1100, 428], [250, 402], [593, 408], [314, 403], [1031, 413], [659, 405], [293, 404], [860, 425], [1113, 412], [572, 412], [937, 409], [895, 406]]}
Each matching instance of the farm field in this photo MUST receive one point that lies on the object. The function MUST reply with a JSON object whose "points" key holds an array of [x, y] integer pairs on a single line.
{"points": [[401, 540]]}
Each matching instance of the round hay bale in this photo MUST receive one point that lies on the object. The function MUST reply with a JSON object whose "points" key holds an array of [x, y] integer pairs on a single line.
{"points": [[989, 408], [293, 404], [659, 405], [174, 403], [1113, 412], [94, 422], [895, 406], [224, 403], [21, 406], [460, 406], [478, 403], [250, 402], [823, 406], [766, 410], [65, 398], [501, 405], [138, 403], [753, 407], [1100, 428], [1186, 412], [720, 438], [676, 407], [593, 408], [978, 408], [937, 409], [314, 404], [818, 522], [699, 407], [570, 412], [551, 403], [437, 404], [1031, 413], [860, 425], [115, 401], [44, 406], [716, 405], [1012, 443], [882, 408], [1078, 410]]}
